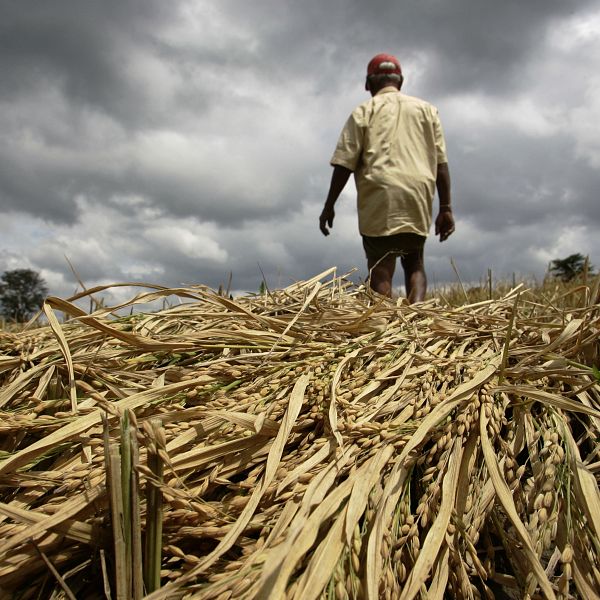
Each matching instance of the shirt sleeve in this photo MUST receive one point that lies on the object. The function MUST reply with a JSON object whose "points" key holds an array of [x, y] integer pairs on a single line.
{"points": [[350, 144], [440, 142]]}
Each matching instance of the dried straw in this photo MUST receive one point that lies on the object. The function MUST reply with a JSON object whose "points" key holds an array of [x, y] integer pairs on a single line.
{"points": [[310, 442]]}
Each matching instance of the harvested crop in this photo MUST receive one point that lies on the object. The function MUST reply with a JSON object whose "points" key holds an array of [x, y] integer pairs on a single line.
{"points": [[309, 442]]}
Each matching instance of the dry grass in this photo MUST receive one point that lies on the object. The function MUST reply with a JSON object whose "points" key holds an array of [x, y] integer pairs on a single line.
{"points": [[313, 442]]}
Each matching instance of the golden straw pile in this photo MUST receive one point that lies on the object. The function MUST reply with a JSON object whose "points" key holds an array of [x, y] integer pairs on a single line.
{"points": [[310, 442]]}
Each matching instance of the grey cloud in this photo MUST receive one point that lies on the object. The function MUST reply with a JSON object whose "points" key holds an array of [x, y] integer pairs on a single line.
{"points": [[117, 117], [80, 47], [35, 188], [466, 44], [474, 45], [523, 180]]}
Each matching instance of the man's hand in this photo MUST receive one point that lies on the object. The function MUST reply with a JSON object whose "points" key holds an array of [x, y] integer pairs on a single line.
{"points": [[444, 225], [326, 218], [339, 177]]}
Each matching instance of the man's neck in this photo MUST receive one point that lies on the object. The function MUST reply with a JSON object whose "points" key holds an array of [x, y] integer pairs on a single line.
{"points": [[388, 88], [385, 90]]}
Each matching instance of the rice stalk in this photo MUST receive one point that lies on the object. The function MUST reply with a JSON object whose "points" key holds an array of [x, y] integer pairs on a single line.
{"points": [[154, 511], [65, 588], [315, 442]]}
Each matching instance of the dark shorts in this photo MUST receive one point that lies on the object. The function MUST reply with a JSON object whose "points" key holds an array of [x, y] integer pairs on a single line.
{"points": [[401, 244]]}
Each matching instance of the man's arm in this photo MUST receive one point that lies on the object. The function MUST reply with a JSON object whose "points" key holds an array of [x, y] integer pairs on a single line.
{"points": [[339, 178], [444, 223]]}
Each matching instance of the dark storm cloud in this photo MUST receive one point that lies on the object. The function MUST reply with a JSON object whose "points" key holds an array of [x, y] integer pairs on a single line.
{"points": [[476, 45], [82, 121], [525, 180], [466, 44], [61, 64], [180, 141], [80, 47]]}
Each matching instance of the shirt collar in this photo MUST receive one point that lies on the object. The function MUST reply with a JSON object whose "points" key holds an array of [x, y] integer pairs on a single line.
{"points": [[387, 90]]}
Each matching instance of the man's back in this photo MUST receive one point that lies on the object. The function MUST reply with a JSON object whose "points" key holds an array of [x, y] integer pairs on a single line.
{"points": [[393, 144]]}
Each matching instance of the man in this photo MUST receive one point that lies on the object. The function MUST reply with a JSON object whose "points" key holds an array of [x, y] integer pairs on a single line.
{"points": [[394, 145]]}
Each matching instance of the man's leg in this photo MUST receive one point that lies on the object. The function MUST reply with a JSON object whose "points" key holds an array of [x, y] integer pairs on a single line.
{"points": [[414, 276], [381, 273]]}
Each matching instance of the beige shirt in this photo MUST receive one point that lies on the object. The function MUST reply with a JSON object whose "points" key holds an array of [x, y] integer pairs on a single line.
{"points": [[393, 144]]}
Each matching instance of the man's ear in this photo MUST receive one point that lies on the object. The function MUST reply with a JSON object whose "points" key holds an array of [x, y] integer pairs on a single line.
{"points": [[401, 82], [367, 85]]}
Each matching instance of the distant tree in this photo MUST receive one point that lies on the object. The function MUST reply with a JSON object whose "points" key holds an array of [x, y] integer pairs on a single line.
{"points": [[568, 268], [22, 292]]}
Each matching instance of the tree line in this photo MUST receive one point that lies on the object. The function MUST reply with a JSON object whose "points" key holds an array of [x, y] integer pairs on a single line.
{"points": [[22, 291]]}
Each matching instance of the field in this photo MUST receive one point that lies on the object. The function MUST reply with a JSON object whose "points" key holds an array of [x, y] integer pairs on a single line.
{"points": [[309, 442]]}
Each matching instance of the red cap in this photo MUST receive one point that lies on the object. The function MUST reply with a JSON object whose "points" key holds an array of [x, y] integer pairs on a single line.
{"points": [[384, 64]]}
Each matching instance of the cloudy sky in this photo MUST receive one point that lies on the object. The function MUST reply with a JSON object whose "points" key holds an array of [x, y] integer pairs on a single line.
{"points": [[177, 142]]}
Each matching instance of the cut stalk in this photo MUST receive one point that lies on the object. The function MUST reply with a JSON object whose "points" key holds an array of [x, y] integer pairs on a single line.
{"points": [[136, 527], [154, 511], [116, 504], [126, 484]]}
